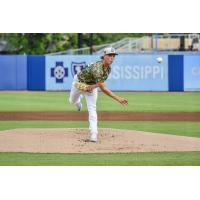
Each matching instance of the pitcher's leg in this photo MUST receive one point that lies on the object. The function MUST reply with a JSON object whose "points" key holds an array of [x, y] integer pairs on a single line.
{"points": [[75, 97], [91, 99]]}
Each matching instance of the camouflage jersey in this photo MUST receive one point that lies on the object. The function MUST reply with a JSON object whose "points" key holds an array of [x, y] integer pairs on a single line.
{"points": [[94, 73]]}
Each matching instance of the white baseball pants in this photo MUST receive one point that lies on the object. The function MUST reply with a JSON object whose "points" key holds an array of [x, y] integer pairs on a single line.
{"points": [[91, 99]]}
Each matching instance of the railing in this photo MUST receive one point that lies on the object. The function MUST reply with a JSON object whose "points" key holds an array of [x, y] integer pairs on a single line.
{"points": [[163, 42]]}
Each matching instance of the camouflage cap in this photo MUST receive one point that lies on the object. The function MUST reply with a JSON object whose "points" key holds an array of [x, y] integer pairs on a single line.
{"points": [[109, 50]]}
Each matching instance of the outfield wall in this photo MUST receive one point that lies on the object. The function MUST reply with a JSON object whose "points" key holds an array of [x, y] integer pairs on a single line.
{"points": [[130, 72], [13, 72], [36, 68], [192, 73]]}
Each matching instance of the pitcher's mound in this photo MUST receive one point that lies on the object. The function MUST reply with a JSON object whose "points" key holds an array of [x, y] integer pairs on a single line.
{"points": [[65, 140]]}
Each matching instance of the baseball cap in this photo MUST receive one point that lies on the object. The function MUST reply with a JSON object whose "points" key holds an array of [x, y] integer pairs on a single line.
{"points": [[109, 50]]}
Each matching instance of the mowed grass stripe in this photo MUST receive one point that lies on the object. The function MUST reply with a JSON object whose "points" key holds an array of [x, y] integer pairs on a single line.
{"points": [[129, 159], [191, 129], [138, 102]]}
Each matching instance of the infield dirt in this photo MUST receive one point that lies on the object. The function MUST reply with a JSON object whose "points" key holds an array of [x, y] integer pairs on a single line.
{"points": [[103, 116], [72, 140]]}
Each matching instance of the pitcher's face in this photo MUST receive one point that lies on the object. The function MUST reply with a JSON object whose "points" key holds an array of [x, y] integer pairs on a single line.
{"points": [[108, 59]]}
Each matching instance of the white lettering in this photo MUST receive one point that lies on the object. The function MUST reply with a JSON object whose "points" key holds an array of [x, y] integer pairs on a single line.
{"points": [[136, 73], [116, 72], [128, 72], [147, 71], [139, 72], [156, 71]]}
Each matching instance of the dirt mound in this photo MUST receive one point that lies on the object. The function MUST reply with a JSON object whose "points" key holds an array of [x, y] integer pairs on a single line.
{"points": [[64, 140]]}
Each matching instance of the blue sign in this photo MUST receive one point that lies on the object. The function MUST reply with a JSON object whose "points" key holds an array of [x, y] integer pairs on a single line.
{"points": [[139, 73], [192, 73], [128, 72]]}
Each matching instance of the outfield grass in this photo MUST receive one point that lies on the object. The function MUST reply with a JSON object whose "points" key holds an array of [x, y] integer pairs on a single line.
{"points": [[129, 159], [138, 102], [176, 128]]}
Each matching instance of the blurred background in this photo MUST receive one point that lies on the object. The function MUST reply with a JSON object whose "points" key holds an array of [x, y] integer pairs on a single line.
{"points": [[94, 43]]}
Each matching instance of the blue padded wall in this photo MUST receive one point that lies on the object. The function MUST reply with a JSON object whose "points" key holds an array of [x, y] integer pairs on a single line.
{"points": [[21, 72], [36, 72], [13, 72], [175, 72]]}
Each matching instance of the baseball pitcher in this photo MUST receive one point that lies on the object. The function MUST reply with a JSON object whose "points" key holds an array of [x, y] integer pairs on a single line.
{"points": [[86, 83]]}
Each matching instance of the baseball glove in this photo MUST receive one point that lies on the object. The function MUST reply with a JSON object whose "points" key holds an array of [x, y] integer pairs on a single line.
{"points": [[81, 86]]}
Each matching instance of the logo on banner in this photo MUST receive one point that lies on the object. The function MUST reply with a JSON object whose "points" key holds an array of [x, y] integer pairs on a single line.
{"points": [[77, 67], [59, 72]]}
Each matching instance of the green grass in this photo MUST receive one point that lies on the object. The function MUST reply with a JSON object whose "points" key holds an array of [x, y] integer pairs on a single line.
{"points": [[191, 129], [138, 102], [131, 159]]}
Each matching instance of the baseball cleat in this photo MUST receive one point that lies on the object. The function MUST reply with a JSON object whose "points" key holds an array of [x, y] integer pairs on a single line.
{"points": [[93, 138]]}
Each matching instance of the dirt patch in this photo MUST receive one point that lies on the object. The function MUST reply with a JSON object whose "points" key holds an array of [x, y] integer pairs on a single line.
{"points": [[64, 140], [103, 116]]}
